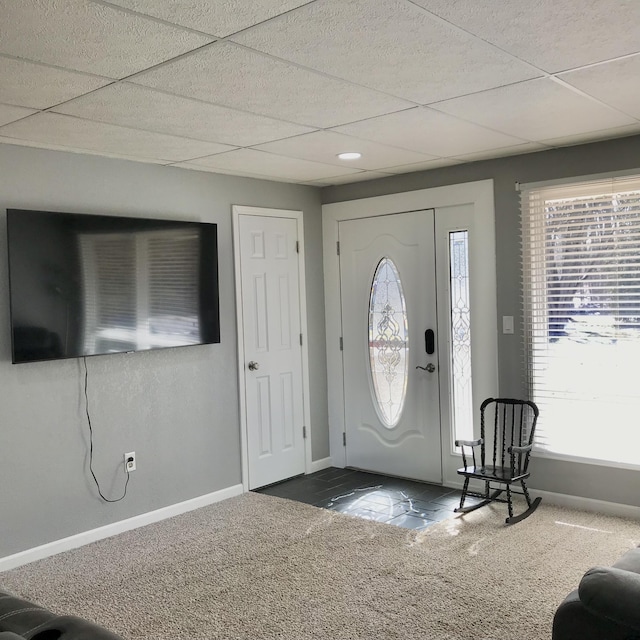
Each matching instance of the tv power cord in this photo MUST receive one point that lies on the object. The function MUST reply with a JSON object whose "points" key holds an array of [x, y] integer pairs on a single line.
{"points": [[95, 479]]}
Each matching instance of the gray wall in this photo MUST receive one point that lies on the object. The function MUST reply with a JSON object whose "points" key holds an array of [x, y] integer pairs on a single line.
{"points": [[599, 482], [177, 408]]}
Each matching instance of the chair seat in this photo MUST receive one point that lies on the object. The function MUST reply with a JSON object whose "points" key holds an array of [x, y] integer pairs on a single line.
{"points": [[489, 472]]}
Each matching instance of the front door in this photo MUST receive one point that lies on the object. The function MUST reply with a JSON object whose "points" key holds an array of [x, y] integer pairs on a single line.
{"points": [[271, 339], [390, 354]]}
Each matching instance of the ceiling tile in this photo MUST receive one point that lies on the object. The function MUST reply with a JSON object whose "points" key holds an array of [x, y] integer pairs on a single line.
{"points": [[51, 128], [226, 172], [216, 18], [271, 165], [594, 136], [323, 146], [68, 149], [353, 68], [616, 83], [36, 85], [11, 113], [423, 166], [392, 46], [355, 177], [142, 108], [527, 147], [553, 35], [427, 131], [535, 110], [232, 76], [91, 37]]}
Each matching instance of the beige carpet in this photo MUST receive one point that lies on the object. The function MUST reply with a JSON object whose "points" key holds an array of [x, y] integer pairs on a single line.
{"points": [[263, 567]]}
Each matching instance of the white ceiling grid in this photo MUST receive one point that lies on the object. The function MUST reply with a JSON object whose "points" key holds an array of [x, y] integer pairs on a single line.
{"points": [[275, 89]]}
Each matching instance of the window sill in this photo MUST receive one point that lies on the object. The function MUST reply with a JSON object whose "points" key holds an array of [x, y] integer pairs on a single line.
{"points": [[563, 457]]}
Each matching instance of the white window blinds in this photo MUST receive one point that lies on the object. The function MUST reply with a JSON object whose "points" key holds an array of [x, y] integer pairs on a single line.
{"points": [[581, 274], [108, 262], [140, 289], [174, 261]]}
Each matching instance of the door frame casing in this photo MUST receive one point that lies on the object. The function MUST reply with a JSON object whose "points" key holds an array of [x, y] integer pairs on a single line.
{"points": [[237, 211], [479, 194]]}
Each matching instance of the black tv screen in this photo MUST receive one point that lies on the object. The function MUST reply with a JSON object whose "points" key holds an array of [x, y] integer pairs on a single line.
{"points": [[83, 285]]}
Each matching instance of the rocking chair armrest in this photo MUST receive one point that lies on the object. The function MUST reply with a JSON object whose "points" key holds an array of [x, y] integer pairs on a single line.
{"points": [[469, 443], [512, 450]]}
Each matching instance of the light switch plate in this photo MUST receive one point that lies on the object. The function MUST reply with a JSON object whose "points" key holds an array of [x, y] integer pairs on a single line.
{"points": [[507, 324]]}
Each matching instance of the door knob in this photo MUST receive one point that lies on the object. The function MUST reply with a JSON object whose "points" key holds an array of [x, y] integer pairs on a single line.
{"points": [[253, 366], [430, 367]]}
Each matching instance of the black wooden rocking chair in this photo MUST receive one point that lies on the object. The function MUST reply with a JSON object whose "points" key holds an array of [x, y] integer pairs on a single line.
{"points": [[514, 425]]}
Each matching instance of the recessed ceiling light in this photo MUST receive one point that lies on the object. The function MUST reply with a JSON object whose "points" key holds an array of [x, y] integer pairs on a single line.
{"points": [[349, 155]]}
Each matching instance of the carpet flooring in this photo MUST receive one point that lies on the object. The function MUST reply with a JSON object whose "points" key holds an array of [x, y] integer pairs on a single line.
{"points": [[258, 566]]}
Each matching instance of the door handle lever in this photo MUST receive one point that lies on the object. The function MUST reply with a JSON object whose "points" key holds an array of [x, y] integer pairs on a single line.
{"points": [[430, 367]]}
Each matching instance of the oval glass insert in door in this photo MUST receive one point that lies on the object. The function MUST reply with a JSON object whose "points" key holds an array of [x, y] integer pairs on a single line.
{"points": [[388, 343]]}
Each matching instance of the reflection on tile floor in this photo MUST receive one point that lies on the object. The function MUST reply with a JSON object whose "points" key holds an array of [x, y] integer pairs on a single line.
{"points": [[403, 503]]}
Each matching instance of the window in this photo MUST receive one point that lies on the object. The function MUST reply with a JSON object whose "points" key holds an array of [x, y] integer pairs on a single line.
{"points": [[460, 328], [581, 272], [388, 342]]}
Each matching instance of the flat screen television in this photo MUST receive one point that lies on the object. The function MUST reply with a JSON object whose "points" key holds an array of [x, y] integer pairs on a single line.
{"points": [[84, 285]]}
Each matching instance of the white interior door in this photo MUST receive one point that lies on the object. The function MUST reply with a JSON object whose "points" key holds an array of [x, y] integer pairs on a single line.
{"points": [[271, 321], [389, 322]]}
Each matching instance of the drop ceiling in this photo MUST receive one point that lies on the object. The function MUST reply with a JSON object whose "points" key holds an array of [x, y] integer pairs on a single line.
{"points": [[276, 89]]}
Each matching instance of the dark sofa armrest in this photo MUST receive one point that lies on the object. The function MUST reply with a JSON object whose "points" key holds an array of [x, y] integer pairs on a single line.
{"points": [[72, 628], [22, 619], [613, 594]]}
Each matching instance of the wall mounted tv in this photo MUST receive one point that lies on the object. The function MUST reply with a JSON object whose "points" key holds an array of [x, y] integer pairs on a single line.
{"points": [[84, 285]]}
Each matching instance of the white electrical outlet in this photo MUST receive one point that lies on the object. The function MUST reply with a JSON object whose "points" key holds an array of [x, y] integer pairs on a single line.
{"points": [[130, 461]]}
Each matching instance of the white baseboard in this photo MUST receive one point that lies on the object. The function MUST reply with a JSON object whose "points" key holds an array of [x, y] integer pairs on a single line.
{"points": [[320, 465], [86, 537], [588, 504], [576, 502]]}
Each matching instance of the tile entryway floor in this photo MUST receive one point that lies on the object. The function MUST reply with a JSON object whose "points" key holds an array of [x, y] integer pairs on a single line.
{"points": [[403, 503]]}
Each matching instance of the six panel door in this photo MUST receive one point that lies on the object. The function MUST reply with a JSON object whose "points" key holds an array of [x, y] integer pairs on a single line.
{"points": [[273, 355]]}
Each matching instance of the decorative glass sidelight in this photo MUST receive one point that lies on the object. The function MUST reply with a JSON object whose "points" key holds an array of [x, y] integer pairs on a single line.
{"points": [[462, 400], [388, 342]]}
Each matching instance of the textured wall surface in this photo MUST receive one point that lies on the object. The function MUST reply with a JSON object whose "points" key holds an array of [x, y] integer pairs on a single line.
{"points": [[176, 408], [598, 482]]}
